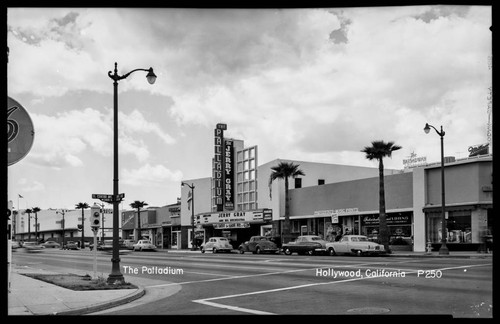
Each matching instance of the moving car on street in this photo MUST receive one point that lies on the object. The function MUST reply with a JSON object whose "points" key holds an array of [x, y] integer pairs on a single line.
{"points": [[217, 244], [257, 245], [32, 247], [305, 244], [355, 244], [143, 245], [51, 245]]}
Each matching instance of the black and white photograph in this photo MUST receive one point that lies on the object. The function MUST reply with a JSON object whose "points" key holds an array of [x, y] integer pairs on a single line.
{"points": [[324, 161]]}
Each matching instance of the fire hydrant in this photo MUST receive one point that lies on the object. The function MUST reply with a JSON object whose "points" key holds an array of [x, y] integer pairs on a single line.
{"points": [[429, 247]]}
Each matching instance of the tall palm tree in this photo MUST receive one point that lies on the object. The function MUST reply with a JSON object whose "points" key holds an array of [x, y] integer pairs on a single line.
{"points": [[29, 211], [36, 210], [378, 151], [285, 170], [138, 204], [82, 206]]}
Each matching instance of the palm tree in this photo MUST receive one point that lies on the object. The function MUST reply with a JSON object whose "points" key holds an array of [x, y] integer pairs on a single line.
{"points": [[36, 210], [285, 170], [138, 204], [82, 206], [378, 151], [29, 211]]}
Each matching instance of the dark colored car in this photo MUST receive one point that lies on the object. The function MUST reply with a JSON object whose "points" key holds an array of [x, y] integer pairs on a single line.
{"points": [[70, 245], [51, 244], [306, 244], [257, 245]]}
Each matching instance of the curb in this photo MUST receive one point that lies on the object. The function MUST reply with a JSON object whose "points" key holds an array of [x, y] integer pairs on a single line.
{"points": [[103, 306]]}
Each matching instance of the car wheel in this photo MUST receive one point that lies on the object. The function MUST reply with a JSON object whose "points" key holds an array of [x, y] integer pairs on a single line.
{"points": [[287, 251], [331, 252], [358, 253], [257, 250], [242, 251], [214, 250], [310, 252], [202, 250]]}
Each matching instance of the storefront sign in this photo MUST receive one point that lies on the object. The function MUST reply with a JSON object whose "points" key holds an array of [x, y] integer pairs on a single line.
{"points": [[339, 212], [217, 166], [479, 149], [228, 217], [20, 132], [391, 220], [414, 161], [268, 214], [228, 175], [232, 225]]}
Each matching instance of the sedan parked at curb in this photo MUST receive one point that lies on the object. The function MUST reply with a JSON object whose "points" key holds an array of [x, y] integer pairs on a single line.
{"points": [[217, 244], [354, 244], [71, 245], [257, 245], [143, 245], [306, 244], [51, 245]]}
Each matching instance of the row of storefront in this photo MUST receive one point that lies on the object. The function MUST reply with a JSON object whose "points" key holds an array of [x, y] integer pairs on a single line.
{"points": [[413, 210]]}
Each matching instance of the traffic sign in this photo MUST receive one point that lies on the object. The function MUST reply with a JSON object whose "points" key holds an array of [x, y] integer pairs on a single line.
{"points": [[109, 198], [20, 131]]}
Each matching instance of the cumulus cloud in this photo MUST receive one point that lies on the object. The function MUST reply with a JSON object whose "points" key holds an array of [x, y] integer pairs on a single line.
{"points": [[150, 175]]}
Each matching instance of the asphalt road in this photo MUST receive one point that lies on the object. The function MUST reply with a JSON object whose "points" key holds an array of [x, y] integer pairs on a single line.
{"points": [[234, 284]]}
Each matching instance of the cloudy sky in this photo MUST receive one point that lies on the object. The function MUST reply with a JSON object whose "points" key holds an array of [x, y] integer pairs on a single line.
{"points": [[315, 84]]}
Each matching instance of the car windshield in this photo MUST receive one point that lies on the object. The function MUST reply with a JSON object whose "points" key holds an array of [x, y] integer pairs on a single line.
{"points": [[316, 238], [223, 239], [362, 239]]}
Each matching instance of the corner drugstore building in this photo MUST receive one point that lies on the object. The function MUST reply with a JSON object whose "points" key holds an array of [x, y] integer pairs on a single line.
{"points": [[236, 202]]}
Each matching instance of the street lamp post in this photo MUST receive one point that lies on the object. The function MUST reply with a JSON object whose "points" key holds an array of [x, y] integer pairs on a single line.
{"points": [[62, 212], [192, 214], [443, 249], [116, 275]]}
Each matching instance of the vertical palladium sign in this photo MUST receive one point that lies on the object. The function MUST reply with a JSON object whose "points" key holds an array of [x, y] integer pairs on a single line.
{"points": [[217, 167], [228, 175]]}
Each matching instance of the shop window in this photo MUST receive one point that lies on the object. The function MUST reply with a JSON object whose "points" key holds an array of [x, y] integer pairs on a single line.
{"points": [[321, 182], [458, 227]]}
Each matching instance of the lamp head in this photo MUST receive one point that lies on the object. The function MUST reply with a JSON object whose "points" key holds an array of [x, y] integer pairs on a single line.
{"points": [[151, 76], [427, 128]]}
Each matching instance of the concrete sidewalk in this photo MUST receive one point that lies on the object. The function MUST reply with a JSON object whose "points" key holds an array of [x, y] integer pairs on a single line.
{"points": [[28, 296]]}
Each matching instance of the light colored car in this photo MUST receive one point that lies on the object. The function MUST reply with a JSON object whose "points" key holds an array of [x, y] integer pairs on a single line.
{"points": [[305, 244], [15, 245], [51, 245], [129, 244], [354, 244], [257, 245], [32, 247], [142, 245], [217, 244]]}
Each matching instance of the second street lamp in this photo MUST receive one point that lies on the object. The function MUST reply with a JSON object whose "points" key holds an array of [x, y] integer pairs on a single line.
{"points": [[116, 275], [444, 248], [193, 247]]}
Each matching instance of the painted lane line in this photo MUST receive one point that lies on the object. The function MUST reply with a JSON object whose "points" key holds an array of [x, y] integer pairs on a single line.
{"points": [[206, 300], [235, 308]]}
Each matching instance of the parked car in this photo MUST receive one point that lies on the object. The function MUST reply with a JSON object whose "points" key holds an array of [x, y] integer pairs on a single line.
{"points": [[51, 245], [128, 244], [354, 244], [71, 245], [142, 245], [15, 245], [257, 245], [305, 244], [217, 244], [32, 247]]}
